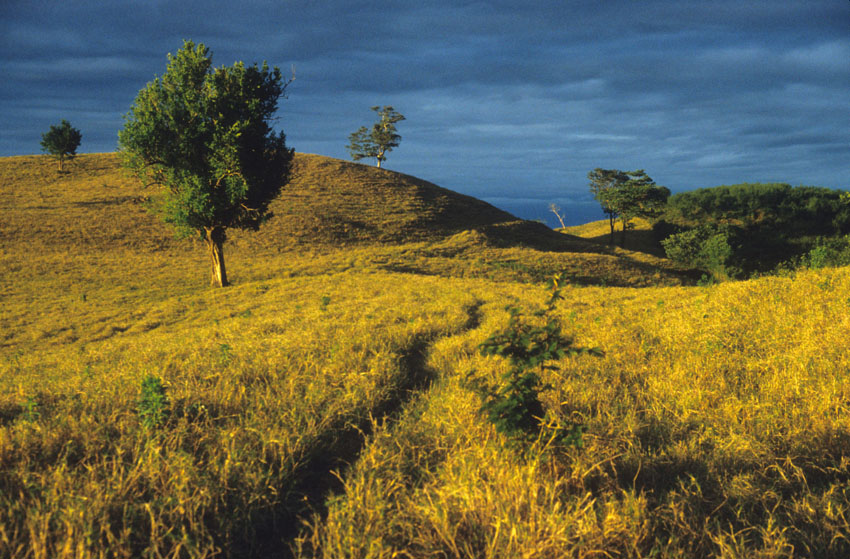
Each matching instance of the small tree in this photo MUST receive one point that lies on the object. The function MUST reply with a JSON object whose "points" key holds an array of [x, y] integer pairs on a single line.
{"points": [[203, 136], [378, 141], [61, 142], [556, 209], [627, 195], [601, 181], [529, 342]]}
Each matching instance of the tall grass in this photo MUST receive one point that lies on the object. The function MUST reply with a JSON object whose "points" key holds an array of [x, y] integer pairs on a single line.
{"points": [[256, 400], [717, 426], [717, 421]]}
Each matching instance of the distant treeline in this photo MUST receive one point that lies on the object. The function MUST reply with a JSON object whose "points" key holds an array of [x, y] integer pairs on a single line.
{"points": [[804, 209], [749, 228]]}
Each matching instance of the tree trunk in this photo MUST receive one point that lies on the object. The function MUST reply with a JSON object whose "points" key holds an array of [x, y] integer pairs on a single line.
{"points": [[61, 161], [623, 238], [215, 240], [611, 221]]}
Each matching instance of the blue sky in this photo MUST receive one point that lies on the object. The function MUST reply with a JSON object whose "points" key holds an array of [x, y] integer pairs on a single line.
{"points": [[512, 102]]}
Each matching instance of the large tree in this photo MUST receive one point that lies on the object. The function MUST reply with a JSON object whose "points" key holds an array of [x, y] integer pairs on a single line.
{"points": [[61, 142], [627, 195], [379, 140], [203, 135]]}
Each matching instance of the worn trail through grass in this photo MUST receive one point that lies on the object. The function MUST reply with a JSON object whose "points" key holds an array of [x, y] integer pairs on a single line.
{"points": [[323, 477]]}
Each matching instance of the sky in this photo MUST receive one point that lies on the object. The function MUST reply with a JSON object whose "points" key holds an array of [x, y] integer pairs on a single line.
{"points": [[513, 102]]}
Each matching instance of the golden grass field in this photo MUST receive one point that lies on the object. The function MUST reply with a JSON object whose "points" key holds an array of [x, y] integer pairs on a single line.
{"points": [[318, 407]]}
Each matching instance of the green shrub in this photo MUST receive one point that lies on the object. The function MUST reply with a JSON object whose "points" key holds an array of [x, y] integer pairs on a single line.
{"points": [[827, 252], [529, 342], [703, 247], [30, 411], [153, 402]]}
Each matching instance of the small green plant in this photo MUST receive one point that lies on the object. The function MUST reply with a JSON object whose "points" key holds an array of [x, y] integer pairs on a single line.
{"points": [[153, 402], [324, 302], [706, 280], [225, 354], [30, 411], [529, 342]]}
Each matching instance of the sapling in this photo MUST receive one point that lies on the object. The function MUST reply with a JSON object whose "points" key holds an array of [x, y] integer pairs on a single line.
{"points": [[529, 342], [153, 402]]}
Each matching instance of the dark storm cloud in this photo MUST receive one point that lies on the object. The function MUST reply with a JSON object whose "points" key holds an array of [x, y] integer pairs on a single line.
{"points": [[504, 100]]}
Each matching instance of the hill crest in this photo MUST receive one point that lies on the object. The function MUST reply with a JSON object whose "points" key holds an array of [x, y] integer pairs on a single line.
{"points": [[390, 220]]}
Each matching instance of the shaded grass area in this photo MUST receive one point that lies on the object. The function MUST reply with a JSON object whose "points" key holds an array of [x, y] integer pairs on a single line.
{"points": [[640, 238]]}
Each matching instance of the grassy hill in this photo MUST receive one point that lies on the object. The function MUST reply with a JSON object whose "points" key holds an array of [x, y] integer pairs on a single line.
{"points": [[335, 201], [323, 405]]}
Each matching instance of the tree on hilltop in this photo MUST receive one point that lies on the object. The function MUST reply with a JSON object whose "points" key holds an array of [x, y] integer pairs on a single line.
{"points": [[202, 134], [602, 180], [627, 195], [61, 142], [379, 140]]}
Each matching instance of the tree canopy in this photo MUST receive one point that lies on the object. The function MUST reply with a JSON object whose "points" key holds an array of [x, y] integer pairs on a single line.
{"points": [[203, 135], [808, 210], [61, 142], [764, 225], [627, 195], [379, 140]]}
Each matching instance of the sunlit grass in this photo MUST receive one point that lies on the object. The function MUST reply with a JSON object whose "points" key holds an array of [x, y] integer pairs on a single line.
{"points": [[718, 418], [717, 425]]}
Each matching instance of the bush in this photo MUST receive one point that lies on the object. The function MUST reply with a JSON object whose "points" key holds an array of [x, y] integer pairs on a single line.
{"points": [[827, 252], [702, 247], [529, 342], [153, 402]]}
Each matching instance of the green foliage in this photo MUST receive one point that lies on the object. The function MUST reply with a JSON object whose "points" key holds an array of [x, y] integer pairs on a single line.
{"points": [[767, 226], [627, 195], [153, 402], [528, 343], [30, 412], [225, 354], [61, 142], [828, 252], [801, 210], [379, 140], [203, 134], [704, 247]]}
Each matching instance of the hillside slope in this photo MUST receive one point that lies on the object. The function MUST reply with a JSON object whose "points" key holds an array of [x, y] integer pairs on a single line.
{"points": [[343, 214], [325, 404], [330, 200]]}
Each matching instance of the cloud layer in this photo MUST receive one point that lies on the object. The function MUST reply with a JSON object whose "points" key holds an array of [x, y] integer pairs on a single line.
{"points": [[504, 100]]}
